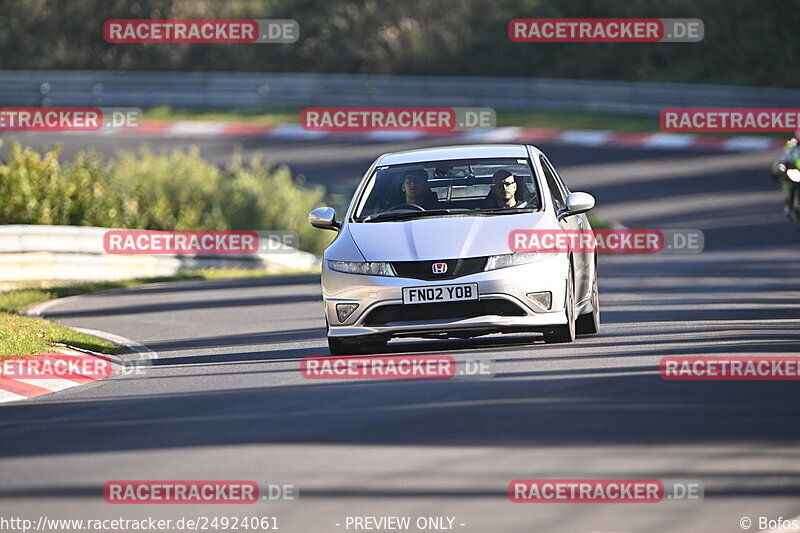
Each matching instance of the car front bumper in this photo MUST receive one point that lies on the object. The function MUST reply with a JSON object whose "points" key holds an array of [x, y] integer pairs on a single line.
{"points": [[511, 285]]}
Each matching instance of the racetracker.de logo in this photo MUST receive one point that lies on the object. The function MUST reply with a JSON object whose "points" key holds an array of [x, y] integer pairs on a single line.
{"points": [[604, 491], [586, 491], [610, 241], [734, 368], [738, 120], [604, 30], [430, 119], [166, 492], [180, 242], [68, 118], [379, 367], [138, 31], [56, 366]]}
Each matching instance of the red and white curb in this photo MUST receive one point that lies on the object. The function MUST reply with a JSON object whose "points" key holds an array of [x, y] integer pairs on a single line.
{"points": [[594, 138], [14, 388]]}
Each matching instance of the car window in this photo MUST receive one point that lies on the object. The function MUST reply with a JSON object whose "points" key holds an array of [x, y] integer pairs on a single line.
{"points": [[457, 186], [555, 189], [561, 185]]}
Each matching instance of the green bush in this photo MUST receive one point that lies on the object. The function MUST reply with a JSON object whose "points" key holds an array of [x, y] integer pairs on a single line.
{"points": [[177, 190]]}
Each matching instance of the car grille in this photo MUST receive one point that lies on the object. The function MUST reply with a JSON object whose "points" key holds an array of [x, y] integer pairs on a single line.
{"points": [[456, 268], [445, 310]]}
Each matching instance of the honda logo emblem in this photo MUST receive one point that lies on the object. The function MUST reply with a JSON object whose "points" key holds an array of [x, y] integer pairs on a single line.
{"points": [[439, 268]]}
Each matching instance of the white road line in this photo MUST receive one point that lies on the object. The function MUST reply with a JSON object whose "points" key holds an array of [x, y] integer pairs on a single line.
{"points": [[118, 339], [145, 355], [39, 309]]}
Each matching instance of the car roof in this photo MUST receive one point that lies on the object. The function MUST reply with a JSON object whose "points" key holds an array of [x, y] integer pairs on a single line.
{"points": [[443, 153]]}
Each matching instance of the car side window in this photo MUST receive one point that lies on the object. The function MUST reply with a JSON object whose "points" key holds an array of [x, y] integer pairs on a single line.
{"points": [[561, 185], [552, 183]]}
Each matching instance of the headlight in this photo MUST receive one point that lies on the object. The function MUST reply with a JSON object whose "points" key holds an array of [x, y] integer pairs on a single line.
{"points": [[793, 174], [360, 267], [509, 260]]}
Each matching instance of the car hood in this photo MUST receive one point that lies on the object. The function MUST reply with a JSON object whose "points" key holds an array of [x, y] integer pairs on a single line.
{"points": [[439, 238]]}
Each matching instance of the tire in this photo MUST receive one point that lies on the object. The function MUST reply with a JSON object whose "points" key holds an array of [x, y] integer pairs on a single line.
{"points": [[340, 347], [589, 323], [359, 347], [565, 332], [794, 205], [372, 345]]}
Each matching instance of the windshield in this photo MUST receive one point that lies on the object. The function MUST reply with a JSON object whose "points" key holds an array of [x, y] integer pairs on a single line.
{"points": [[442, 188]]}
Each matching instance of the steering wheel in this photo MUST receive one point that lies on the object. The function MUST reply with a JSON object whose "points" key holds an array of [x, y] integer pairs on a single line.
{"points": [[410, 207]]}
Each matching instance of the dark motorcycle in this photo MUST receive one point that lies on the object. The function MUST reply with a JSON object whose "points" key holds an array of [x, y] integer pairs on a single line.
{"points": [[787, 169]]}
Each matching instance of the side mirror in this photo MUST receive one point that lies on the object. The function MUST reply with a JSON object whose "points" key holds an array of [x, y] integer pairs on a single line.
{"points": [[577, 203], [324, 218]]}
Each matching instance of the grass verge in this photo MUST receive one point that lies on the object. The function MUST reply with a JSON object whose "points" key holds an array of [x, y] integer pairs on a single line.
{"points": [[256, 116], [23, 336]]}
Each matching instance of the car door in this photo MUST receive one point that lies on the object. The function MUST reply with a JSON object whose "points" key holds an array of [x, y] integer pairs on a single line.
{"points": [[582, 260]]}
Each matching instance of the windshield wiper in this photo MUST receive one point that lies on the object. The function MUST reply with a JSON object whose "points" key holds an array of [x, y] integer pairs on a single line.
{"points": [[506, 211], [408, 214]]}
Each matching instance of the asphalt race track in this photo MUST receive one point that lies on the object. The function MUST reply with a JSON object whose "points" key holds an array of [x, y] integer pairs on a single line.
{"points": [[225, 398]]}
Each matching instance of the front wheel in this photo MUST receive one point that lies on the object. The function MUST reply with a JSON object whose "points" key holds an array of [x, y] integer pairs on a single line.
{"points": [[794, 205], [359, 347], [566, 332], [340, 347]]}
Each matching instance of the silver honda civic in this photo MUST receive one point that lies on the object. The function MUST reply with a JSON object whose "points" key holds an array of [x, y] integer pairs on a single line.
{"points": [[424, 251]]}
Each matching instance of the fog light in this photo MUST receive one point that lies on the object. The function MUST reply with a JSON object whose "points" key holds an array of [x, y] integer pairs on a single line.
{"points": [[343, 311], [542, 299]]}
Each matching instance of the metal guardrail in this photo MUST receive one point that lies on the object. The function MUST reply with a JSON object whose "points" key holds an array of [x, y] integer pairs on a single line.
{"points": [[240, 89], [75, 253]]}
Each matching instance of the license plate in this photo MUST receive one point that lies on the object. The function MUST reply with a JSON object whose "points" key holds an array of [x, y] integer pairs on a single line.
{"points": [[440, 293]]}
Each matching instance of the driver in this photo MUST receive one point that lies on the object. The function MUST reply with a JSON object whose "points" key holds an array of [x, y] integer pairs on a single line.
{"points": [[503, 192], [415, 187]]}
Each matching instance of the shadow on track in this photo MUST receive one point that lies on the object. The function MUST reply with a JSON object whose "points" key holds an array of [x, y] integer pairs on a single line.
{"points": [[537, 408]]}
